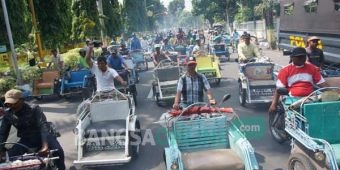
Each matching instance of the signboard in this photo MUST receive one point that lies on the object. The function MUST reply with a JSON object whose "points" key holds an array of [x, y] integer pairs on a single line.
{"points": [[3, 49]]}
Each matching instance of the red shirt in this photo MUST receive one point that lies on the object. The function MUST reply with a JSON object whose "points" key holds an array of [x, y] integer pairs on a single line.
{"points": [[299, 80]]}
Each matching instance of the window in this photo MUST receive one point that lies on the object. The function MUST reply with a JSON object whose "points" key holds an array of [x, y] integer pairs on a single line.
{"points": [[311, 6], [288, 9]]}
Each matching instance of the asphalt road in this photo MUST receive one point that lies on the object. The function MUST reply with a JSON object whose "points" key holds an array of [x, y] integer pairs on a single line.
{"points": [[270, 155]]}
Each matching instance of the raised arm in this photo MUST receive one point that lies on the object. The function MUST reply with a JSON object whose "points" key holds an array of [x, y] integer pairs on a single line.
{"points": [[89, 52]]}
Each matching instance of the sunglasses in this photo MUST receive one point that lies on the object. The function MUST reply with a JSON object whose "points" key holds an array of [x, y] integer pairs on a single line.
{"points": [[10, 105]]}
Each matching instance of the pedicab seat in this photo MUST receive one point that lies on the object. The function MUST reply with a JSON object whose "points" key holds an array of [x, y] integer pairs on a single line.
{"points": [[167, 74], [323, 120], [204, 144], [218, 159], [47, 79], [76, 79]]}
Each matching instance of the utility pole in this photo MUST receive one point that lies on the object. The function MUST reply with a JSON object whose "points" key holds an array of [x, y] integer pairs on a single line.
{"points": [[37, 32], [10, 38], [101, 20]]}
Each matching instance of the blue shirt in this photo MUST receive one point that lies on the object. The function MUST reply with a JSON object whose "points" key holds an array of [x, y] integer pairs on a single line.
{"points": [[135, 44], [115, 62]]}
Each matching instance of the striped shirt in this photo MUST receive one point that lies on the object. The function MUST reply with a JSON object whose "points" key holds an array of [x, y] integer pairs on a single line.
{"points": [[192, 88], [299, 80]]}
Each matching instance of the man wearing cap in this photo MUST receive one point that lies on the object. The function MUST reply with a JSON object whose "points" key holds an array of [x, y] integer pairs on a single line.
{"points": [[32, 128], [191, 87], [104, 75], [158, 55], [247, 50], [314, 54], [298, 77]]}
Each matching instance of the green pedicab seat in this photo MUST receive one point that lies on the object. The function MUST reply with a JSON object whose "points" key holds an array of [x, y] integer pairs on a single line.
{"points": [[204, 144], [323, 123]]}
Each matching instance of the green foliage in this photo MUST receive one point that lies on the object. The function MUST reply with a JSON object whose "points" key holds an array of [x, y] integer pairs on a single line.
{"points": [[244, 14], [71, 57], [215, 9], [135, 16], [186, 19], [6, 83], [54, 18], [157, 10], [31, 73], [85, 21], [19, 18], [176, 6], [112, 21]]}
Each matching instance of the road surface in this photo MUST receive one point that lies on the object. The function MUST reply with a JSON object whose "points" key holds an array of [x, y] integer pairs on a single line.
{"points": [[270, 155]]}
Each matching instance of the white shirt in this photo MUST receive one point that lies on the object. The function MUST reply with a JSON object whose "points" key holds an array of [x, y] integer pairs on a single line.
{"points": [[105, 80], [198, 48]]}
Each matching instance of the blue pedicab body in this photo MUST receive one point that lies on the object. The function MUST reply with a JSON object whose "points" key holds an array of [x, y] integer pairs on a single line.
{"points": [[139, 60], [81, 81], [221, 52]]}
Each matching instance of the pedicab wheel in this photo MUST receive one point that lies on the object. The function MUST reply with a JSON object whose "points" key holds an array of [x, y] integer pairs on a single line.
{"points": [[242, 95], [134, 96], [298, 161], [38, 98], [133, 146], [218, 81], [164, 157], [146, 66], [276, 125]]}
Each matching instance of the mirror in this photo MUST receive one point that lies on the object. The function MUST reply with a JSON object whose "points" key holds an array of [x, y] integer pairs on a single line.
{"points": [[225, 98], [282, 91]]}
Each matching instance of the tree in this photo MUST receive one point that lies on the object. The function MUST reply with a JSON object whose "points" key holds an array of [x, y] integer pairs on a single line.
{"points": [[19, 18], [85, 21], [186, 19], [155, 11], [176, 6], [266, 8], [215, 10], [54, 21], [134, 13], [112, 19]]}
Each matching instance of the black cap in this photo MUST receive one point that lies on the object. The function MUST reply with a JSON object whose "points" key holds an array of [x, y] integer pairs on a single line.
{"points": [[298, 52]]}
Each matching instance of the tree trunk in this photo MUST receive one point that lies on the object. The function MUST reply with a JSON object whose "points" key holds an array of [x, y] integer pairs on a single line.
{"points": [[269, 21]]}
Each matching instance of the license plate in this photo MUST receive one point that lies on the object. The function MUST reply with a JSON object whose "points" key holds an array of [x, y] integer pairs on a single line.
{"points": [[102, 144], [262, 92]]}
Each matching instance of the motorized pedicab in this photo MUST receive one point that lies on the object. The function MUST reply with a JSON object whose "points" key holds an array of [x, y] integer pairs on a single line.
{"points": [[209, 66], [257, 81], [312, 123], [138, 58], [203, 137], [28, 161], [164, 87], [107, 130]]}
